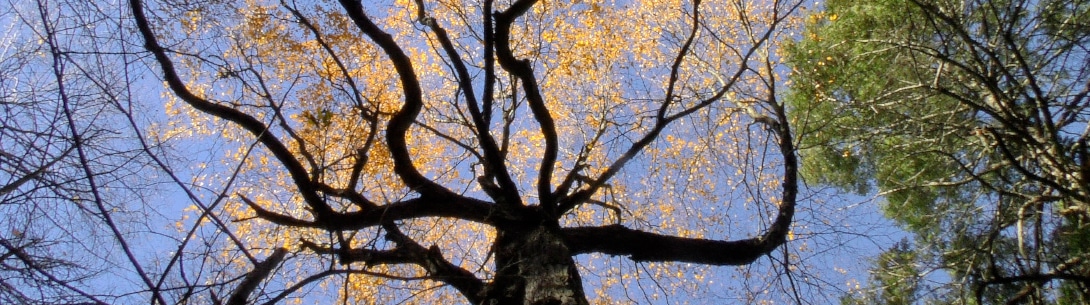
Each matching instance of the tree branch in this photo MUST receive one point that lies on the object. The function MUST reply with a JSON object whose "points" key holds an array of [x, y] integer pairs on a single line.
{"points": [[643, 246], [409, 251], [398, 127], [357, 97], [32, 264], [522, 70], [438, 267], [260, 272], [257, 128], [661, 121], [494, 165], [457, 207]]}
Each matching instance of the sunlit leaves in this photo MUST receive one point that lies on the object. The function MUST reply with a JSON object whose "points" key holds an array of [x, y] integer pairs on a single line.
{"points": [[682, 94]]}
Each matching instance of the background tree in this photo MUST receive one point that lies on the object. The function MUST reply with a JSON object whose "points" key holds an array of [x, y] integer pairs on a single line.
{"points": [[481, 146], [59, 159], [82, 184], [970, 119]]}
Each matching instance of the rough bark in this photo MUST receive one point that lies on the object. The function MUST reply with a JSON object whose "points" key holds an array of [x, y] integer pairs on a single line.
{"points": [[535, 267]]}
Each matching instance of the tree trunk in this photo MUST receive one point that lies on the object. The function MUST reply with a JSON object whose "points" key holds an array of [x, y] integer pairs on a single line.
{"points": [[534, 267]]}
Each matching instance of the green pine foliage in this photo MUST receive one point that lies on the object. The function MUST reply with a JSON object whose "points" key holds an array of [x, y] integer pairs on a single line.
{"points": [[969, 119]]}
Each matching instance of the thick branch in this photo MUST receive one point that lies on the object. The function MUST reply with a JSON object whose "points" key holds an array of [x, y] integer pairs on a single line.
{"points": [[522, 70], [257, 128], [651, 247], [409, 251], [494, 165], [260, 272], [456, 207], [432, 260], [645, 246], [399, 124], [1060, 272], [370, 257]]}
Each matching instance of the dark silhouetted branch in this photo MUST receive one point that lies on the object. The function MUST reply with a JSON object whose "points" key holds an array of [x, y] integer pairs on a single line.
{"points": [[260, 272]]}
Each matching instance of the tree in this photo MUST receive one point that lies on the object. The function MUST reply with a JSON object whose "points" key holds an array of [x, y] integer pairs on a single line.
{"points": [[61, 161], [482, 145], [80, 179], [897, 282], [970, 118]]}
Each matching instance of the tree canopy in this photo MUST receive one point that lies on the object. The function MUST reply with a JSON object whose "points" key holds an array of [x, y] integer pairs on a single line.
{"points": [[474, 146], [480, 145], [970, 119], [544, 152]]}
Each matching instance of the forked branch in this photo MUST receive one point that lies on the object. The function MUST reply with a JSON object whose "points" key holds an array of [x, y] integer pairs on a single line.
{"points": [[398, 127], [522, 70], [298, 173]]}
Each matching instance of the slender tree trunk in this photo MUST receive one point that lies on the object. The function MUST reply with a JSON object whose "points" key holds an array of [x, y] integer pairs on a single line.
{"points": [[534, 267]]}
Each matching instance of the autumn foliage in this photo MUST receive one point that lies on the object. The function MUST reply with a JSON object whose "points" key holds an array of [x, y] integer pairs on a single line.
{"points": [[483, 145]]}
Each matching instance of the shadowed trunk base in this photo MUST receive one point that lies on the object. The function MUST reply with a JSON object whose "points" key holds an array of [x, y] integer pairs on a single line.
{"points": [[534, 267]]}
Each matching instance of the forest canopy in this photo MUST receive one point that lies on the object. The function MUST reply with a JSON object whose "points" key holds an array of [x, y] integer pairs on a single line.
{"points": [[533, 152], [970, 120]]}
